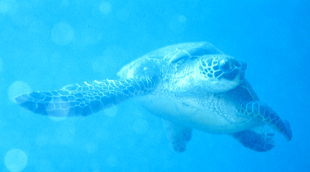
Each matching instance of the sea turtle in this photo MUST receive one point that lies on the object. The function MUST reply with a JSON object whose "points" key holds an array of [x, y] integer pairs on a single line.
{"points": [[189, 85]]}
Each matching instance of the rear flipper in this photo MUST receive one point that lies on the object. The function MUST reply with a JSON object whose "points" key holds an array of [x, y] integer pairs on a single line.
{"points": [[258, 139], [74, 100], [178, 135], [265, 114]]}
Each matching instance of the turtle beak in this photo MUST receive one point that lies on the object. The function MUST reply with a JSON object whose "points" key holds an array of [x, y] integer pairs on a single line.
{"points": [[244, 65], [242, 70], [242, 76]]}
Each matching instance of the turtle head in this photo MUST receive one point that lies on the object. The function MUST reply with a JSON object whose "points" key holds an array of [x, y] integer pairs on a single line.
{"points": [[219, 73]]}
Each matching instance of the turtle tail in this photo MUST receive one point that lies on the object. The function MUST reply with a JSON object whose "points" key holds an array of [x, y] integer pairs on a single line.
{"points": [[75, 100]]}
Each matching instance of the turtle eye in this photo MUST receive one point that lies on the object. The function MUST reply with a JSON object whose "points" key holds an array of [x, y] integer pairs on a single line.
{"points": [[226, 65]]}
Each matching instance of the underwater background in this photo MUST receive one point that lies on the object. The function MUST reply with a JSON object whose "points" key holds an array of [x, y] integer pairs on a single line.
{"points": [[45, 45]]}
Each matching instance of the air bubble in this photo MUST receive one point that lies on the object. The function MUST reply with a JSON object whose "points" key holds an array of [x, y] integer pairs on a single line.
{"points": [[91, 147], [42, 140], [17, 88], [178, 24], [57, 119], [65, 3], [56, 58], [1, 64], [105, 8], [140, 126], [5, 6], [112, 161], [59, 115], [15, 160], [182, 19], [65, 134], [62, 33], [44, 165], [111, 112]]}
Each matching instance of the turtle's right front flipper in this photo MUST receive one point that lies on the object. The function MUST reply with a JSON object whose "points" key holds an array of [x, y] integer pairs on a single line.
{"points": [[74, 100]]}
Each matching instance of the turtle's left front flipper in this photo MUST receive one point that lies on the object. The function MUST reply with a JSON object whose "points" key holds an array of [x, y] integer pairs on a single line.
{"points": [[264, 113], [74, 100]]}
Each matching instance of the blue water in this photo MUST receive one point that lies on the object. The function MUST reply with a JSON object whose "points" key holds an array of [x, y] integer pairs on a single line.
{"points": [[47, 45]]}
